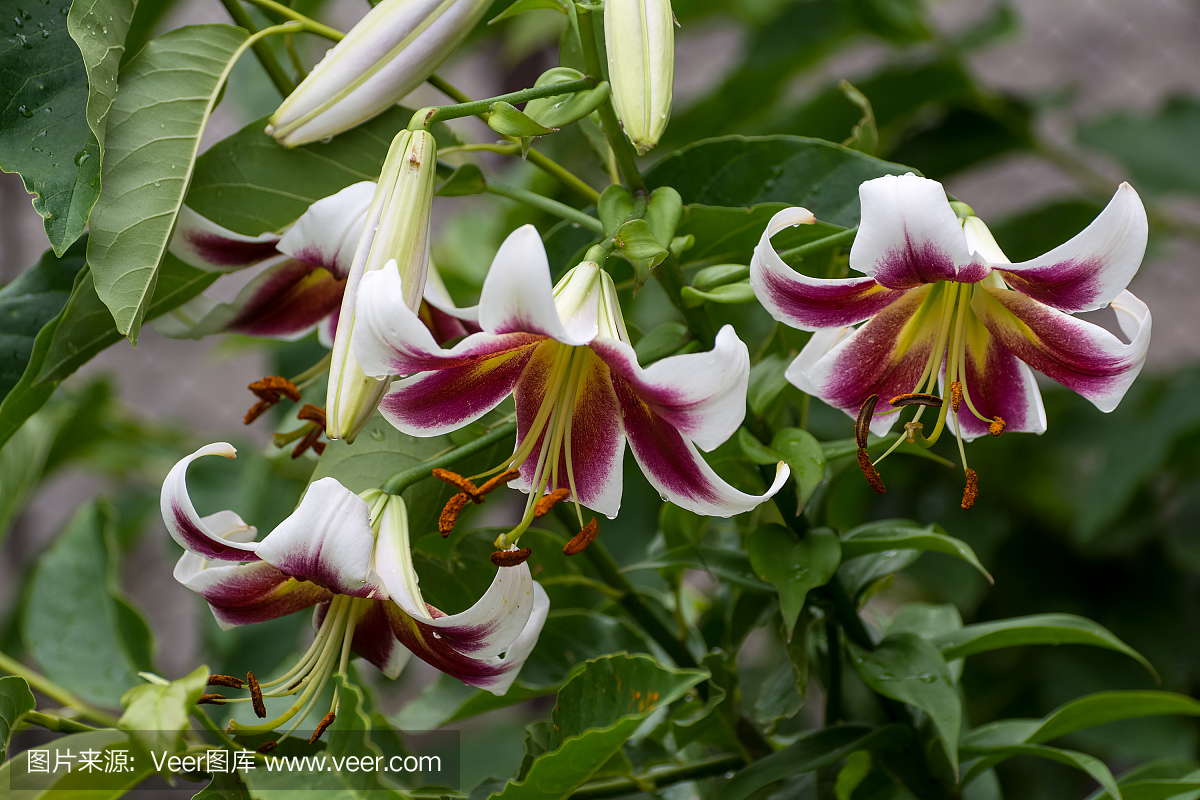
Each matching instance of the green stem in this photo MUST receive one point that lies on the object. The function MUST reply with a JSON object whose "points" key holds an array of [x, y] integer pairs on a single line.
{"points": [[55, 692], [57, 724], [212, 727], [449, 89], [261, 51], [833, 240], [538, 159], [310, 24], [546, 204], [833, 693], [407, 477], [657, 779], [623, 152], [427, 116], [671, 278]]}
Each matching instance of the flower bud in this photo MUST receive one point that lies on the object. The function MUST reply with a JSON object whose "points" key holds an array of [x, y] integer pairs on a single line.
{"points": [[396, 229], [390, 52], [640, 39]]}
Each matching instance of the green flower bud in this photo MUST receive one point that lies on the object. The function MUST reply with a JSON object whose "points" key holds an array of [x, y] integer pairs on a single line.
{"points": [[640, 39]]}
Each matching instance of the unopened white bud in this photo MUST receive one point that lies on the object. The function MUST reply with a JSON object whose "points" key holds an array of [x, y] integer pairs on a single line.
{"points": [[640, 39]]}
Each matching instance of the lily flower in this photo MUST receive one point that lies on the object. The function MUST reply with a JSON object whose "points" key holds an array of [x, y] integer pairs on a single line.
{"points": [[349, 556], [282, 286], [390, 52], [564, 354], [948, 322]]}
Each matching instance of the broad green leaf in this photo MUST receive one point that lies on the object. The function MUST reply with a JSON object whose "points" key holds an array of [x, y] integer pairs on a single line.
{"points": [[466, 180], [563, 109], [223, 786], [74, 621], [597, 711], [99, 28], [156, 715], [793, 566], [508, 120], [23, 462], [80, 331], [812, 751], [729, 294], [749, 170], [729, 564], [1159, 789], [989, 757], [15, 701], [730, 233], [350, 735], [767, 382], [61, 785], [521, 6], [167, 93], [858, 766], [720, 275], [1102, 707], [803, 454], [44, 133], [856, 574], [664, 340], [614, 207], [907, 668], [1035, 629], [636, 241], [1156, 148], [929, 622], [876, 537]]}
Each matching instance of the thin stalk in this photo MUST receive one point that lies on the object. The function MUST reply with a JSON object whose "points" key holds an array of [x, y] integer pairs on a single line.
{"points": [[407, 477], [55, 692], [546, 204], [261, 51], [310, 24], [538, 159], [447, 88], [824, 243], [427, 116], [206, 722], [833, 691], [659, 778], [671, 278], [622, 148], [57, 724]]}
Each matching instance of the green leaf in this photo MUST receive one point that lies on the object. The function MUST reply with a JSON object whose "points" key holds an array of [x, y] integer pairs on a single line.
{"points": [[1035, 629], [907, 668], [729, 294], [991, 756], [466, 180], [636, 241], [1156, 148], [898, 534], [350, 735], [561, 110], [614, 207], [730, 233], [663, 213], [167, 93], [793, 566], [99, 28], [97, 785], [729, 564], [156, 715], [521, 6], [720, 275], [812, 751], [597, 711], [15, 701], [508, 120], [865, 137], [664, 340], [44, 133], [73, 622], [22, 464], [804, 456], [1102, 707], [749, 170]]}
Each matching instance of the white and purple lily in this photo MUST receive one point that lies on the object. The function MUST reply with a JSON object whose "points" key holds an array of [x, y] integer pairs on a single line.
{"points": [[283, 286], [945, 314], [349, 556], [564, 354]]}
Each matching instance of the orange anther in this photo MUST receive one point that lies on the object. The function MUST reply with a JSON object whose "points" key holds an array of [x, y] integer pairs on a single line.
{"points": [[269, 391], [510, 558], [997, 427], [325, 723], [211, 700], [310, 440], [971, 491], [862, 426], [916, 399], [503, 477], [868, 471], [459, 482], [581, 540], [449, 515], [226, 680], [955, 395], [256, 696], [266, 747], [543, 506], [311, 413]]}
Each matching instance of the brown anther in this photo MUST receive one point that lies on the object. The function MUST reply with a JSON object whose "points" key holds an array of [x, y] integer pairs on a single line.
{"points": [[311, 439], [911, 429], [955, 395], [997, 427], [310, 413], [450, 513], [971, 491], [510, 558], [862, 426], [868, 471], [226, 680], [256, 696], [269, 391], [211, 700], [543, 506], [325, 723], [581, 540], [266, 747], [916, 399], [502, 478], [464, 485]]}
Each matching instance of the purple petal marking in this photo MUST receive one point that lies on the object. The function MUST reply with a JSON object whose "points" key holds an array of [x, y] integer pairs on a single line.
{"points": [[374, 640], [914, 263], [202, 544], [253, 593], [999, 385], [430, 645], [294, 299], [810, 304], [1067, 285], [222, 252], [444, 327], [1083, 357], [459, 393]]}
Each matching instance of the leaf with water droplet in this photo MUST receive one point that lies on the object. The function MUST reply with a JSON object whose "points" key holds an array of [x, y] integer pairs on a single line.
{"points": [[793, 565]]}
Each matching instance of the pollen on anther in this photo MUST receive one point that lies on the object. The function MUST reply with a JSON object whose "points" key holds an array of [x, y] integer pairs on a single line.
{"points": [[459, 482], [543, 506], [269, 391], [310, 413], [449, 515], [862, 426], [971, 490], [502, 478], [868, 471], [580, 541], [510, 558], [266, 747], [256, 696], [226, 680], [956, 395], [211, 700], [916, 399], [325, 723], [997, 427]]}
